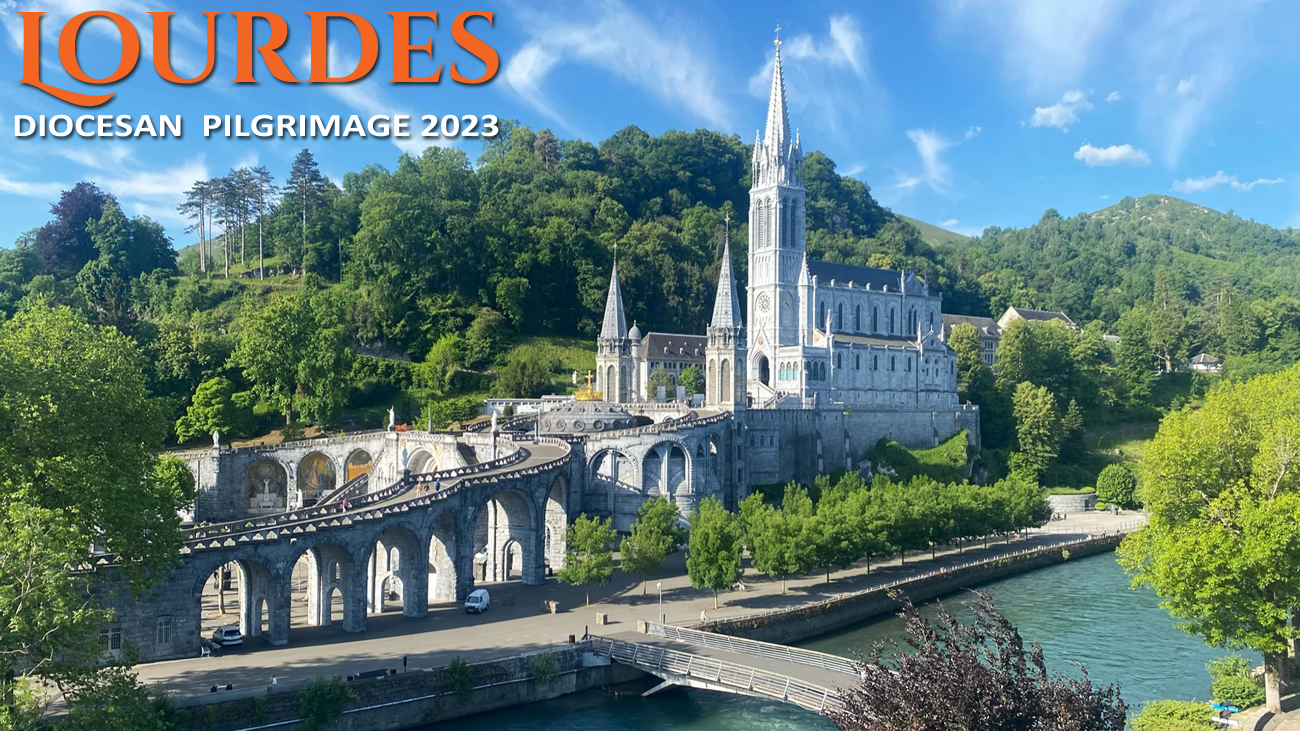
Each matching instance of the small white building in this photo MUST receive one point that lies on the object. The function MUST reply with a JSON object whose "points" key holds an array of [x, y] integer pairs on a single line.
{"points": [[1206, 363]]}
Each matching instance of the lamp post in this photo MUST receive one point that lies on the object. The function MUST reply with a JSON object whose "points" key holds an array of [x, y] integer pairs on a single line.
{"points": [[660, 586]]}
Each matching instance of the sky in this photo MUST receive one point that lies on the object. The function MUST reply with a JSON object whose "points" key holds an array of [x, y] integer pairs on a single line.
{"points": [[962, 113]]}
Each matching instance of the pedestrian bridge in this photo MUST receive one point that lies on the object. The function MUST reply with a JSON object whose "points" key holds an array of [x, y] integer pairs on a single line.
{"points": [[691, 658]]}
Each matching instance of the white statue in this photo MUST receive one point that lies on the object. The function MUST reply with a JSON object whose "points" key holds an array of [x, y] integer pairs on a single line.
{"points": [[216, 439], [392, 418], [494, 422]]}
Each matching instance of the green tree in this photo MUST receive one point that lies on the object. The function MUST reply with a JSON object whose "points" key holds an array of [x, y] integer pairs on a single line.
{"points": [[1117, 485], [779, 537], [1223, 496], [1038, 429], [654, 534], [715, 547], [1134, 360], [214, 409], [588, 559], [441, 364], [485, 338], [691, 379], [659, 376], [323, 701], [525, 374]]}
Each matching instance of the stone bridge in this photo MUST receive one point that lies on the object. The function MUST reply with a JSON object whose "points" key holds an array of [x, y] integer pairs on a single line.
{"points": [[395, 537]]}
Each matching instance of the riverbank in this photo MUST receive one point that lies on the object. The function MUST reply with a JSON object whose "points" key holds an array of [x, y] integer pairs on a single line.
{"points": [[401, 702]]}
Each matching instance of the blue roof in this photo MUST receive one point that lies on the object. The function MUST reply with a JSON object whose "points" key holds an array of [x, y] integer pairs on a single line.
{"points": [[861, 276]]}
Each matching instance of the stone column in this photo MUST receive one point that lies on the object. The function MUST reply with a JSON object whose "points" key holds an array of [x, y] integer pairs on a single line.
{"points": [[354, 596], [279, 609], [315, 588], [414, 570], [463, 556], [532, 545]]}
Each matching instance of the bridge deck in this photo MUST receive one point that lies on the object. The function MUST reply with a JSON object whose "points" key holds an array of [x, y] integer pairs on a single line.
{"points": [[827, 679]]}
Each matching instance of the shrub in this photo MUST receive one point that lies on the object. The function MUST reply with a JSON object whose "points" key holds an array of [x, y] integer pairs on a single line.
{"points": [[944, 463], [1116, 484], [544, 666], [321, 703], [292, 431], [461, 677], [1172, 716], [1238, 691]]}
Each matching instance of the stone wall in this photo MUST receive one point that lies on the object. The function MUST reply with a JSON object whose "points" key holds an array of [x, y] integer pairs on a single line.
{"points": [[1073, 503], [798, 624], [799, 444], [419, 697]]}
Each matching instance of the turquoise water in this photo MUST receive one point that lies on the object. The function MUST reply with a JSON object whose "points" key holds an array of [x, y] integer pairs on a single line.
{"points": [[1080, 611]]}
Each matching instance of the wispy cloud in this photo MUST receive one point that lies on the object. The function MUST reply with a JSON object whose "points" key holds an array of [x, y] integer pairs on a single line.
{"points": [[935, 172], [1200, 185], [1113, 97], [828, 77], [973, 132], [29, 188], [656, 55], [949, 223], [1114, 155], [1063, 113]]}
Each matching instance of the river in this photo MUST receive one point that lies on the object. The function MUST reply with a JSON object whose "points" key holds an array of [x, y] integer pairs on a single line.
{"points": [[1081, 611]]}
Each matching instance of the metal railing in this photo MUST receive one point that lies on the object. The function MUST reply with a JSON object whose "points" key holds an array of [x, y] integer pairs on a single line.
{"points": [[742, 678], [739, 645]]}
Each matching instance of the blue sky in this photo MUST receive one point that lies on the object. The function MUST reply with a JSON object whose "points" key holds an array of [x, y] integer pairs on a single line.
{"points": [[964, 113]]}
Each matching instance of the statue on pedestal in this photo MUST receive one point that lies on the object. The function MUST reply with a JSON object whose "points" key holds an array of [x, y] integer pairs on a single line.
{"points": [[392, 419], [216, 439]]}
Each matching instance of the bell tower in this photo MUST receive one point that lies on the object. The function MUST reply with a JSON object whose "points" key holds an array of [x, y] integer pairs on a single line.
{"points": [[725, 351]]}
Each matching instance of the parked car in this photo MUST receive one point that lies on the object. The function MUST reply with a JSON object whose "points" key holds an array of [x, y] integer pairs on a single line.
{"points": [[477, 602], [227, 636]]}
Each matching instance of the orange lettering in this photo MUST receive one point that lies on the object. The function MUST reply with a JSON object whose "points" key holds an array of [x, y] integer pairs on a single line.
{"points": [[32, 66], [478, 48], [162, 60], [320, 47], [68, 47], [270, 55], [402, 47]]}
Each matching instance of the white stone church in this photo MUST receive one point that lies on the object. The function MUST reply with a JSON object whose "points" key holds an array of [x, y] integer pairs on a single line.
{"points": [[822, 335]]}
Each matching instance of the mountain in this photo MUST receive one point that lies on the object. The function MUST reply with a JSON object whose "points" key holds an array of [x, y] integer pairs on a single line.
{"points": [[1096, 265], [934, 235]]}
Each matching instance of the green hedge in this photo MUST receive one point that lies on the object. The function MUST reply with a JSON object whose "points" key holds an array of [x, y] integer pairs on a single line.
{"points": [[399, 374], [944, 463]]}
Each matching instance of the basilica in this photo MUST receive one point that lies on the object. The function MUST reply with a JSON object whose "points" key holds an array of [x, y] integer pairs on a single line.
{"points": [[821, 335]]}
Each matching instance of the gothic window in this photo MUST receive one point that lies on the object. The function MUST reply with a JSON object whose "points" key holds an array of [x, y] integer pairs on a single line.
{"points": [[875, 319], [857, 362], [785, 223], [857, 319], [891, 320], [931, 319], [821, 316], [893, 362], [838, 363], [839, 317], [768, 211], [875, 362], [909, 364]]}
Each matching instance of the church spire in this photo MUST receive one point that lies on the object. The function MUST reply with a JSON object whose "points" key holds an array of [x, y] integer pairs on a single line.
{"points": [[614, 326], [726, 308], [777, 135]]}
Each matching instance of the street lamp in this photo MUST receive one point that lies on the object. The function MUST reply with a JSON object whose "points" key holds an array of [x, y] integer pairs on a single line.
{"points": [[660, 586]]}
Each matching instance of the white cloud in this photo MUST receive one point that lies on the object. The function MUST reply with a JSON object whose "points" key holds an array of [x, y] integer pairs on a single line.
{"points": [[158, 185], [1200, 185], [1187, 85], [1113, 97], [935, 173], [972, 132], [1043, 43], [1114, 155], [949, 223], [29, 188], [1063, 113], [654, 55], [828, 79]]}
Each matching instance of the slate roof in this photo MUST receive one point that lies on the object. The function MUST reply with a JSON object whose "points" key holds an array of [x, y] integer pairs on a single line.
{"points": [[680, 347], [861, 276]]}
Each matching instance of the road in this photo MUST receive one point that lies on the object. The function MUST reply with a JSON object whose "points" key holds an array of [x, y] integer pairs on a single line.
{"points": [[515, 623]]}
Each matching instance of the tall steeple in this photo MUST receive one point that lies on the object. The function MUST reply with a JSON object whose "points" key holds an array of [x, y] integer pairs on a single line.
{"points": [[615, 323], [777, 135], [726, 306]]}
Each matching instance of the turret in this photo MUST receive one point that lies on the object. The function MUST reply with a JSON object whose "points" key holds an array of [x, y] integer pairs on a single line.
{"points": [[725, 352]]}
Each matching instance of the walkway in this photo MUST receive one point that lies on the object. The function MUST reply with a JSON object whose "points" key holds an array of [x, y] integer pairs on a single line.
{"points": [[515, 623]]}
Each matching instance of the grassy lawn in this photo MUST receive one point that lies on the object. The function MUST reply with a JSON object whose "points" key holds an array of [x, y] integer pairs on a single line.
{"points": [[1127, 439]]}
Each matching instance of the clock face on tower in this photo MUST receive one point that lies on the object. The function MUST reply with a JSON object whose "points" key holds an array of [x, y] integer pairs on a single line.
{"points": [[764, 303]]}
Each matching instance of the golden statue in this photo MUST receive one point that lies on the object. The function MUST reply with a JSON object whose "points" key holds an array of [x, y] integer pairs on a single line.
{"points": [[589, 393]]}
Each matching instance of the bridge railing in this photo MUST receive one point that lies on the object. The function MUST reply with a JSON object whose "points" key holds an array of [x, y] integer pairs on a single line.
{"points": [[743, 678], [368, 500], [739, 645]]}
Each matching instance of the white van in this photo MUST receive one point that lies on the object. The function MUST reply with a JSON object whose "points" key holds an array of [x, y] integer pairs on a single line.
{"points": [[477, 602]]}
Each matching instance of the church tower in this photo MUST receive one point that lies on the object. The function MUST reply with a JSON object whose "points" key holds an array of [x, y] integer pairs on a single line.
{"points": [[776, 238], [725, 351], [615, 368]]}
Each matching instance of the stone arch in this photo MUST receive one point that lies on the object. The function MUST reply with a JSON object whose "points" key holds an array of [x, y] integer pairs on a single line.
{"points": [[266, 487], [442, 558], [622, 385], [316, 477], [257, 606], [421, 461], [396, 570], [611, 480], [666, 471], [333, 591], [556, 522], [763, 369], [711, 378], [509, 515], [724, 382], [357, 464], [610, 383]]}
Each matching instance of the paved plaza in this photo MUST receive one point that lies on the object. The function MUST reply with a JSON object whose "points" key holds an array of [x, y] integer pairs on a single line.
{"points": [[516, 624]]}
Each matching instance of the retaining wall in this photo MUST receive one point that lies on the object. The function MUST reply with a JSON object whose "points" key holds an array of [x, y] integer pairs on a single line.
{"points": [[420, 697], [801, 623], [1081, 503]]}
